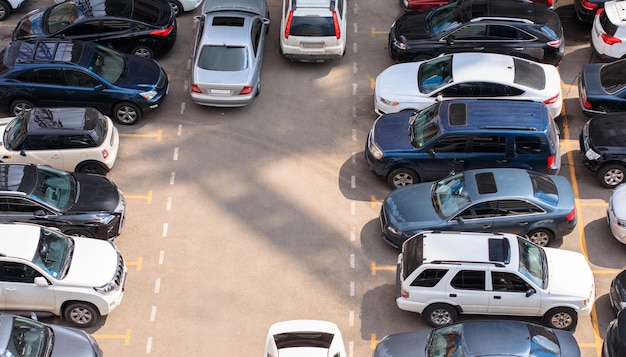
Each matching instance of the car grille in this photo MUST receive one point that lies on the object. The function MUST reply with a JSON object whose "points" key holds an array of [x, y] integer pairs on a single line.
{"points": [[119, 277], [162, 80]]}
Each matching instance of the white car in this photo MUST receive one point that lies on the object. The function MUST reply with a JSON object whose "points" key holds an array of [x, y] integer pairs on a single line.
{"points": [[45, 271], [8, 6], [608, 33], [180, 6], [70, 139], [416, 85], [443, 274], [616, 213], [304, 338]]}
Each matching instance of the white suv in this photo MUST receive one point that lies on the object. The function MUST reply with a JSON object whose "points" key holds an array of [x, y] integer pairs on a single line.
{"points": [[608, 34], [442, 274], [47, 272], [313, 30]]}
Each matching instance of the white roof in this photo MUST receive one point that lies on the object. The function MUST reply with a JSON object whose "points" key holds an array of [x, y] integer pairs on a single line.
{"points": [[19, 240], [478, 66], [616, 12], [463, 246]]}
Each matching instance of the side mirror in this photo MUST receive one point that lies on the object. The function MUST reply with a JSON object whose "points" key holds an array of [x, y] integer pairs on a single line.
{"points": [[460, 220], [40, 214], [98, 88], [265, 21], [23, 151], [41, 281], [450, 40], [530, 291], [439, 97], [431, 152]]}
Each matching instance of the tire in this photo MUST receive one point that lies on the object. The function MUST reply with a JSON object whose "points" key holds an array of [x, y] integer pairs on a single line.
{"points": [[80, 233], [92, 167], [402, 177], [611, 175], [81, 314], [561, 318], [258, 89], [5, 10], [126, 113], [143, 51], [21, 106], [177, 7], [541, 237], [438, 315]]}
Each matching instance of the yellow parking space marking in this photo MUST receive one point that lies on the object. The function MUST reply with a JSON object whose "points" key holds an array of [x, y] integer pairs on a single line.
{"points": [[372, 83], [125, 337], [592, 203], [374, 201], [157, 136], [376, 268], [147, 197], [373, 341], [137, 263], [374, 32], [606, 271]]}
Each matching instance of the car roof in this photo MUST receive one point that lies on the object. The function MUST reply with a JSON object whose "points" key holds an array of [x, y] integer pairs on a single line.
{"points": [[608, 129], [227, 28], [535, 12], [471, 67], [63, 120], [616, 12], [258, 7], [18, 177], [303, 325], [44, 51], [26, 234], [509, 183]]}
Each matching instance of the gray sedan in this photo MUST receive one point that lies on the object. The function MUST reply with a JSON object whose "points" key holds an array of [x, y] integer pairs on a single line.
{"points": [[228, 52]]}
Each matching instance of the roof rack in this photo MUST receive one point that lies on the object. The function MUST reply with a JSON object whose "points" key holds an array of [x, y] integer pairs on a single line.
{"points": [[497, 264], [510, 19], [507, 127]]}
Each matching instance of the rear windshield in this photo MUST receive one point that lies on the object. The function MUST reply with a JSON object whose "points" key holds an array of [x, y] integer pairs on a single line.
{"points": [[608, 27], [223, 58], [312, 26], [303, 339], [612, 76], [529, 74]]}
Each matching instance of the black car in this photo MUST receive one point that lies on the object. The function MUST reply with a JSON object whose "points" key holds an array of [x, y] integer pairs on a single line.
{"points": [[586, 9], [614, 344], [146, 28], [54, 73], [617, 292], [78, 204], [602, 147], [511, 27], [602, 87]]}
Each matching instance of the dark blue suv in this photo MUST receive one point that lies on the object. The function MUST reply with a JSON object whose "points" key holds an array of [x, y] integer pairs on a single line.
{"points": [[53, 73], [461, 134]]}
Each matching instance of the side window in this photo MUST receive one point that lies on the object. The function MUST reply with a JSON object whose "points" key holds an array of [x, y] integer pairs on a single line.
{"points": [[340, 4], [451, 144], [286, 7], [471, 32], [469, 280], [479, 210], [82, 29], [515, 207], [18, 273], [255, 35], [115, 26], [16, 206], [42, 142], [79, 79], [46, 76], [489, 144], [468, 89], [497, 90], [527, 145], [429, 277], [77, 141], [502, 281], [502, 33]]}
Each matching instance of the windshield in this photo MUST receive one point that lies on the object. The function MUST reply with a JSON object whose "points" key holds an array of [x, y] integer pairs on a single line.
{"points": [[533, 262], [446, 341], [449, 195], [54, 253], [107, 63], [424, 126], [434, 74], [54, 188], [28, 339], [15, 133], [223, 58], [443, 18], [61, 16]]}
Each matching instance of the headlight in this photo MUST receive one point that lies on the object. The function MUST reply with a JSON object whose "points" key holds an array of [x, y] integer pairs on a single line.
{"points": [[394, 230], [388, 102], [376, 152], [400, 45], [105, 289], [621, 223], [148, 95], [592, 155]]}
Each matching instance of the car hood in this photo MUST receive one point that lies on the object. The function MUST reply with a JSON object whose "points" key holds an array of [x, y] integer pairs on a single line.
{"points": [[403, 344], [391, 132], [398, 81], [95, 193], [591, 79], [71, 342], [30, 25], [565, 267], [411, 25], [410, 208], [94, 263], [141, 73]]}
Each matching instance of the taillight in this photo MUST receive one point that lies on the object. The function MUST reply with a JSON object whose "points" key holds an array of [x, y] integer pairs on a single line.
{"points": [[105, 153], [601, 10], [336, 22], [404, 294], [571, 215], [551, 161], [588, 5], [549, 3], [552, 100], [610, 40], [288, 25], [246, 90], [586, 104], [555, 43], [164, 32], [195, 88]]}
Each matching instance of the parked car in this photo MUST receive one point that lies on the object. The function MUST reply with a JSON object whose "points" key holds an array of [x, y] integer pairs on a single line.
{"points": [[304, 337], [614, 344], [617, 292], [459, 134], [228, 52], [602, 148], [480, 338], [53, 73], [146, 28], [443, 274], [602, 88], [586, 9], [411, 5], [511, 27], [9, 6], [20, 336], [77, 278], [608, 34], [71, 139], [77, 204], [616, 213], [416, 85], [313, 31], [538, 206], [181, 6]]}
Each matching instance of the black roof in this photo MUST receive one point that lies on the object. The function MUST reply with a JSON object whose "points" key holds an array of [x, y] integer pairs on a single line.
{"points": [[58, 120]]}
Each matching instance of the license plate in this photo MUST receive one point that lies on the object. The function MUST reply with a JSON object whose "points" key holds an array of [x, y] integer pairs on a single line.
{"points": [[220, 91]]}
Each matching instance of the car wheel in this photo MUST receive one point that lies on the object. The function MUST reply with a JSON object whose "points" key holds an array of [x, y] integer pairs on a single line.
{"points": [[5, 10], [80, 233], [438, 315], [177, 7], [127, 113], [143, 51], [541, 237], [561, 318], [81, 314], [611, 175], [92, 167], [258, 89], [402, 177], [21, 106]]}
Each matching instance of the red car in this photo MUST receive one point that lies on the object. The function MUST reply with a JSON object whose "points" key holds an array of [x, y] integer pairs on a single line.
{"points": [[411, 5]]}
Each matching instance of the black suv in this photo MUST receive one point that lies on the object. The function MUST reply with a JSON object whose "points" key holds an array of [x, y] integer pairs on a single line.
{"points": [[78, 204], [54, 72], [510, 27], [603, 149], [146, 28]]}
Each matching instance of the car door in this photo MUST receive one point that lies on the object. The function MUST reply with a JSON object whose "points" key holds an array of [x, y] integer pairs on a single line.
{"points": [[511, 294], [498, 215], [20, 209], [83, 31], [82, 89], [469, 38], [21, 292], [508, 40], [44, 86], [446, 154], [487, 150], [42, 149], [468, 289]]}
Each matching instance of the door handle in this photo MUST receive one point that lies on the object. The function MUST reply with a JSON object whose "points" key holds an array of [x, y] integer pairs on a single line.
{"points": [[485, 226], [10, 289], [497, 297], [523, 224], [458, 160], [519, 48], [478, 48], [55, 156], [502, 161], [452, 295]]}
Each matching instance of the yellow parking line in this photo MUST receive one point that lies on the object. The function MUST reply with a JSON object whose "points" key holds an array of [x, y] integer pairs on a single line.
{"points": [[606, 271], [374, 201], [374, 32], [137, 264], [157, 136], [376, 268], [373, 341], [372, 83], [125, 337], [147, 197]]}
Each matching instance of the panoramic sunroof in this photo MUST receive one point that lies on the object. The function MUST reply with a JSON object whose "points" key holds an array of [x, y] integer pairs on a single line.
{"points": [[228, 21]]}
